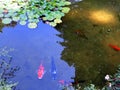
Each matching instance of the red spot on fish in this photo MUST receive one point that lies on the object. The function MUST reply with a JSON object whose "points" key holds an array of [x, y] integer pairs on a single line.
{"points": [[40, 72], [115, 47]]}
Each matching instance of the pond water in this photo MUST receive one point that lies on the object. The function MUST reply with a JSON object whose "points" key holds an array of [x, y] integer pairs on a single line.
{"points": [[88, 29], [83, 40], [31, 48]]}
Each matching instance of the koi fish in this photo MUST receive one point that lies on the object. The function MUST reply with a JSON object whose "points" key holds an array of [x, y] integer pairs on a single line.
{"points": [[114, 47], [40, 71], [53, 69], [81, 34]]}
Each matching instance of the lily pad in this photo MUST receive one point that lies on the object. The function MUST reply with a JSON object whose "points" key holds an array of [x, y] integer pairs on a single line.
{"points": [[1, 10], [44, 18], [32, 25], [23, 17], [1, 15], [8, 15], [15, 19], [65, 9], [57, 20], [33, 10], [53, 24], [6, 20], [22, 22], [67, 3]]}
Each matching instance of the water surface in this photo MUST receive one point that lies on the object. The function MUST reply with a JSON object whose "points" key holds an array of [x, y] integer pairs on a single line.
{"points": [[88, 29], [31, 48]]}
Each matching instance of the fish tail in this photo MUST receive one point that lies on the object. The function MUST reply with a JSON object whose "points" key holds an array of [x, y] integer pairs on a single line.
{"points": [[114, 47]]}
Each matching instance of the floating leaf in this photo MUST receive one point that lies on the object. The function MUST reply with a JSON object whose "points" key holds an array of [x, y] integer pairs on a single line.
{"points": [[65, 9], [1, 10], [8, 15], [22, 22], [52, 24], [57, 20], [6, 20], [44, 18], [32, 25], [1, 15], [50, 17], [16, 19], [23, 17], [33, 10], [61, 3], [67, 3]]}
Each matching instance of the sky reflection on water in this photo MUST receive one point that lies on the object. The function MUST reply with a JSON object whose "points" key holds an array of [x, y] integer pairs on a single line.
{"points": [[31, 48]]}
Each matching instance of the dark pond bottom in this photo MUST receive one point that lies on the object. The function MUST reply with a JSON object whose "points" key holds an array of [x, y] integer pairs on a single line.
{"points": [[88, 29]]}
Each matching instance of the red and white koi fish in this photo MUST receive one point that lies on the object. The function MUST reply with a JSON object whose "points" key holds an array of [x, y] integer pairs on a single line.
{"points": [[40, 71], [115, 47]]}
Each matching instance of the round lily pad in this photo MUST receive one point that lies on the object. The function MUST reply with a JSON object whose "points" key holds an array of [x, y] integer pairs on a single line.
{"points": [[57, 20], [22, 22], [32, 25], [15, 19], [65, 9], [1, 15], [53, 24], [67, 3], [6, 20]]}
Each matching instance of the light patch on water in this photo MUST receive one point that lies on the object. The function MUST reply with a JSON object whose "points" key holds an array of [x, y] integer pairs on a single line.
{"points": [[102, 17]]}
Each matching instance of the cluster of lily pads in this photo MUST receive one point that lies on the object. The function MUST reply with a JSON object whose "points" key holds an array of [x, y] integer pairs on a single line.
{"points": [[32, 11]]}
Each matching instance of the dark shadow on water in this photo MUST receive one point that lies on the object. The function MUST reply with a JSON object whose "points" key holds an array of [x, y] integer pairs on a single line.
{"points": [[87, 40]]}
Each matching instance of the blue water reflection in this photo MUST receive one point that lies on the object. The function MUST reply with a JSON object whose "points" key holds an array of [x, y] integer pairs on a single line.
{"points": [[33, 47]]}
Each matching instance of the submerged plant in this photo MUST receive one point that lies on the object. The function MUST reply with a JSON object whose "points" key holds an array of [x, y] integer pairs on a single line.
{"points": [[6, 70], [91, 87], [113, 82], [4, 52], [32, 11]]}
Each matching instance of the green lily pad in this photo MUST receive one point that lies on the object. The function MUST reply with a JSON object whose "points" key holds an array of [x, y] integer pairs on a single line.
{"points": [[32, 25], [23, 17], [53, 24], [8, 15], [67, 3], [57, 20], [1, 15], [65, 9], [50, 17], [16, 19], [6, 20], [34, 10], [44, 18], [1, 10], [22, 22]]}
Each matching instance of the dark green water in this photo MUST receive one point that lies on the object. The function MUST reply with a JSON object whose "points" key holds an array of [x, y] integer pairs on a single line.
{"points": [[87, 39]]}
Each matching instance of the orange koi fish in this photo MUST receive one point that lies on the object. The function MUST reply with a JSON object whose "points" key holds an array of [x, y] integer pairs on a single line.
{"points": [[40, 71], [115, 47]]}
